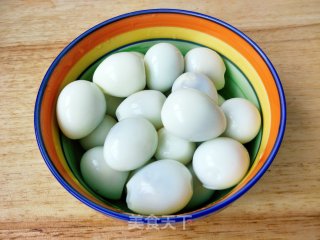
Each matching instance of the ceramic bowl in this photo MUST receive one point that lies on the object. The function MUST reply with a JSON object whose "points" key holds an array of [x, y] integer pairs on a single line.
{"points": [[249, 74]]}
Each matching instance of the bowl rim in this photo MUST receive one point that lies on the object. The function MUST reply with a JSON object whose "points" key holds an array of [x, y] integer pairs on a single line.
{"points": [[173, 218]]}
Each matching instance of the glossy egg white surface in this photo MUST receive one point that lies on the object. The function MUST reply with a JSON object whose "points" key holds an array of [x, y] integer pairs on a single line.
{"points": [[201, 194], [162, 187], [173, 147], [146, 104], [196, 81], [98, 135], [121, 74], [100, 177], [243, 119], [81, 106], [164, 63], [130, 144], [220, 163], [208, 62], [192, 115]]}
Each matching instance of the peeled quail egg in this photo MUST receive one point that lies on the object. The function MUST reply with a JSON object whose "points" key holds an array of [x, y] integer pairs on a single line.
{"points": [[208, 62], [121, 74], [98, 135], [164, 63], [192, 115], [99, 176], [130, 144], [161, 187], [146, 104], [80, 108], [173, 147], [196, 81], [220, 163], [200, 193], [243, 119]]}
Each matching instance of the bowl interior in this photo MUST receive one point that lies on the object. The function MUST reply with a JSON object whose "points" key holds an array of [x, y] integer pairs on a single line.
{"points": [[249, 75], [237, 85]]}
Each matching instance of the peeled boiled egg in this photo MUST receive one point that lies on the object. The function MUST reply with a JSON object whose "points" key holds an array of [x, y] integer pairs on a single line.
{"points": [[208, 62], [98, 135], [146, 104], [173, 147], [130, 144], [80, 108], [100, 177], [121, 74], [196, 81], [220, 163], [164, 63], [243, 119], [161, 187], [200, 193], [192, 115]]}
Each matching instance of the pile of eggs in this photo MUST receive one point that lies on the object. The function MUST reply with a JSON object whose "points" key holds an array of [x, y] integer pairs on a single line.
{"points": [[156, 124]]}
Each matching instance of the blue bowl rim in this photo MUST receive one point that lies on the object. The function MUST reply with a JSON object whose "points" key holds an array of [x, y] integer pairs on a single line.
{"points": [[172, 218]]}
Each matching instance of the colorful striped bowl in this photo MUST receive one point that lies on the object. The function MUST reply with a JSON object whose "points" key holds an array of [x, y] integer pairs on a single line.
{"points": [[249, 74]]}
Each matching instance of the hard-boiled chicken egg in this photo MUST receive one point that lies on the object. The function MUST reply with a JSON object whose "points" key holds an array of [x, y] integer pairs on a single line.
{"points": [[121, 74], [220, 163], [146, 104], [98, 135], [221, 100], [243, 119], [164, 63], [192, 115], [208, 62], [196, 81], [200, 193], [173, 147], [130, 144], [113, 104], [162, 187], [80, 108], [100, 177]]}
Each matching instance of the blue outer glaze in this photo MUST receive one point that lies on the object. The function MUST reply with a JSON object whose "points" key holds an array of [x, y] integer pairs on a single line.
{"points": [[180, 218]]}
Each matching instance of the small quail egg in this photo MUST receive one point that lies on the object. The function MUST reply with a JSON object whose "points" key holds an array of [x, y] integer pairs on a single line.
{"points": [[121, 74], [208, 62], [164, 63], [80, 108], [192, 115], [243, 119], [196, 81], [100, 177], [220, 163], [130, 144], [98, 135], [172, 147], [146, 104], [161, 187]]}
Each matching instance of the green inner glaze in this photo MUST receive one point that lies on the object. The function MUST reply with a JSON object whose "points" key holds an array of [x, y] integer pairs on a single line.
{"points": [[237, 85]]}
